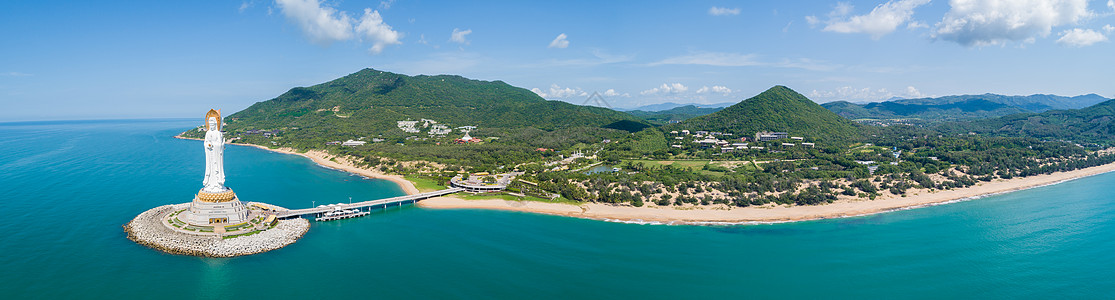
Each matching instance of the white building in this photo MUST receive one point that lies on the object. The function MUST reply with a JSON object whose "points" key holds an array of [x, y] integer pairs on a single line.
{"points": [[353, 143]]}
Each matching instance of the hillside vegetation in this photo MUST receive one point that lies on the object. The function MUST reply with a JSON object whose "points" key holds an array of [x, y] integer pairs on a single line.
{"points": [[369, 102], [960, 107], [1095, 124], [777, 109]]}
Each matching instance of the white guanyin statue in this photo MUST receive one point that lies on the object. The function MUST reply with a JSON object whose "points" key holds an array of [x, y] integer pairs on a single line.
{"points": [[214, 156]]}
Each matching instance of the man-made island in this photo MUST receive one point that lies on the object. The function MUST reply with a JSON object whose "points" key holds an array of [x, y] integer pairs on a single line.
{"points": [[216, 223]]}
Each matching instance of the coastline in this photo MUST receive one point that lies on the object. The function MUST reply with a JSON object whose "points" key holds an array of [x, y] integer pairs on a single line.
{"points": [[337, 163], [723, 214], [718, 214]]}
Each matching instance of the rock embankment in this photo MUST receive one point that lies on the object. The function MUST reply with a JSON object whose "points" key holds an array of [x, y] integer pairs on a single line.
{"points": [[147, 229]]}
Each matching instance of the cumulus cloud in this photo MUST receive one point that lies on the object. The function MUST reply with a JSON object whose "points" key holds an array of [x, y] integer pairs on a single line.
{"points": [[613, 93], [321, 24], [459, 36], [723, 11], [325, 25], [996, 22], [882, 20], [372, 28], [1111, 4], [1108, 28], [1077, 37], [715, 89], [560, 42], [864, 94], [556, 91], [666, 88]]}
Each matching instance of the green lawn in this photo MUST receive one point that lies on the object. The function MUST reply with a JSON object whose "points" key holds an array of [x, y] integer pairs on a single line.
{"points": [[694, 164], [507, 197], [424, 184]]}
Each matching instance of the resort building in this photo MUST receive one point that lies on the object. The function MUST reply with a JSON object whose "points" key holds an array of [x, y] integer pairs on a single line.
{"points": [[353, 143], [764, 136]]}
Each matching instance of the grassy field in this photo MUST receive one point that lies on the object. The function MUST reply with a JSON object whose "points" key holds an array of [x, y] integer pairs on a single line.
{"points": [[698, 165], [424, 184], [503, 196]]}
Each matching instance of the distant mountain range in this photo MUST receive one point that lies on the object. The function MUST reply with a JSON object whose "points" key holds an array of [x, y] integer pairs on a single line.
{"points": [[1094, 124], [676, 114], [672, 105], [777, 109], [961, 107]]}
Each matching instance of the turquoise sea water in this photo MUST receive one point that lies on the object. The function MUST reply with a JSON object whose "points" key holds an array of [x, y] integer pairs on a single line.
{"points": [[67, 187]]}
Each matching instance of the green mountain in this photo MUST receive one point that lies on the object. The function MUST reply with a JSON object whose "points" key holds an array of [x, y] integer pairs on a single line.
{"points": [[1094, 124], [370, 102], [777, 109], [961, 107], [675, 114]]}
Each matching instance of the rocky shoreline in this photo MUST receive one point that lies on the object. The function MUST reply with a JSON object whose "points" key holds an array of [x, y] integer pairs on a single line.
{"points": [[147, 229]]}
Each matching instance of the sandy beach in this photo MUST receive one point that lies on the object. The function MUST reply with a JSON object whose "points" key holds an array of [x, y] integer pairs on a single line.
{"points": [[716, 213], [725, 214]]}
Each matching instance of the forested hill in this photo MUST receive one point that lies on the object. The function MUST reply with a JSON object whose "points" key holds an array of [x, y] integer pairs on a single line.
{"points": [[369, 102], [961, 107], [777, 109], [1094, 124]]}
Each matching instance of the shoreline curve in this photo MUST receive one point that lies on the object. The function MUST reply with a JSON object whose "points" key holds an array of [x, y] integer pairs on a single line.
{"points": [[717, 214]]}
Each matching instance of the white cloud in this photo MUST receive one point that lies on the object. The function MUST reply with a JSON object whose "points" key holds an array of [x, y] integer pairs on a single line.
{"points": [[1111, 4], [723, 11], [666, 88], [322, 25], [613, 93], [715, 89], [1108, 28], [882, 20], [1077, 37], [912, 92], [373, 28], [386, 4], [560, 42], [812, 20], [996, 22], [864, 94], [245, 5], [459, 36], [556, 91], [711, 59]]}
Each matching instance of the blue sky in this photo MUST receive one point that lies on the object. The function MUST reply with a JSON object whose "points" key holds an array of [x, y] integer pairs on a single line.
{"points": [[77, 60]]}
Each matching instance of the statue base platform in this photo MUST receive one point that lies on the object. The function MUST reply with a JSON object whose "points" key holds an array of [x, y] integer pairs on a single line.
{"points": [[215, 208]]}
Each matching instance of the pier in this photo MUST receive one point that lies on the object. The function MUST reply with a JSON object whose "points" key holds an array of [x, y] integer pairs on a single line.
{"points": [[371, 203]]}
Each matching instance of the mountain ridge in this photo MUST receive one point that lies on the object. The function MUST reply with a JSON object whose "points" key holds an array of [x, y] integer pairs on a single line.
{"points": [[776, 109]]}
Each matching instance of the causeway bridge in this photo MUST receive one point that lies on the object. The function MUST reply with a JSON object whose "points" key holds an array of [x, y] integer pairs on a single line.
{"points": [[371, 203]]}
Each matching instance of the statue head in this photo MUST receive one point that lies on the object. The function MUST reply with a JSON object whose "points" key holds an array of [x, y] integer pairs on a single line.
{"points": [[211, 117]]}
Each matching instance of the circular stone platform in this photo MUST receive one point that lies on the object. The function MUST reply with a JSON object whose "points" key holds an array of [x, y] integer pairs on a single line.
{"points": [[154, 228]]}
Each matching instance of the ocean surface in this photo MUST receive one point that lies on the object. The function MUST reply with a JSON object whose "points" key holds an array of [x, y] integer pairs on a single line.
{"points": [[67, 187]]}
